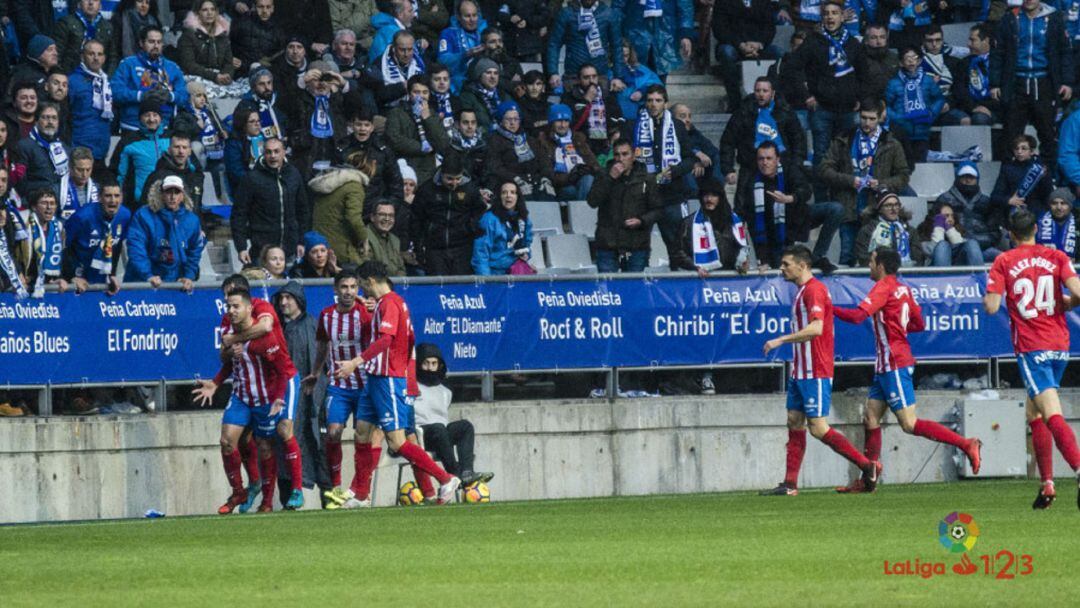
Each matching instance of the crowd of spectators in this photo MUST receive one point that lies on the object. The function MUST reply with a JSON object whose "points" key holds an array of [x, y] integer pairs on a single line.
{"points": [[416, 133]]}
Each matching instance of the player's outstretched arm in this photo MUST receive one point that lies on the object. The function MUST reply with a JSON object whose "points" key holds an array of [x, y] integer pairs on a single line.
{"points": [[262, 326], [850, 315], [1073, 285], [992, 303], [811, 331], [204, 392]]}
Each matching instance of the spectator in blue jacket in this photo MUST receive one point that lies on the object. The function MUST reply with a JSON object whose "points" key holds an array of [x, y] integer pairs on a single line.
{"points": [[507, 233], [461, 42], [662, 30], [589, 30], [1031, 66], [914, 102], [148, 76], [638, 79], [139, 158], [399, 16], [1069, 153], [95, 239], [244, 147], [91, 102], [165, 242]]}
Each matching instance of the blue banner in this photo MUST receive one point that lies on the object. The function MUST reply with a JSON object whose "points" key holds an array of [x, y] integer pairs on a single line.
{"points": [[562, 324]]}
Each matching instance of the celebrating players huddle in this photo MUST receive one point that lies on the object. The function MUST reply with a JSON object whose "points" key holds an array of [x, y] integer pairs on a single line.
{"points": [[1030, 277], [369, 354]]}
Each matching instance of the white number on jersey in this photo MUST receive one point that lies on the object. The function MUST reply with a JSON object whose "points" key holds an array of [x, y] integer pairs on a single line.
{"points": [[1042, 295]]}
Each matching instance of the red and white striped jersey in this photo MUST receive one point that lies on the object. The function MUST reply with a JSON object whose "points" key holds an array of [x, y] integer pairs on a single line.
{"points": [[391, 338], [813, 359], [261, 372], [348, 334], [259, 309], [896, 313]]}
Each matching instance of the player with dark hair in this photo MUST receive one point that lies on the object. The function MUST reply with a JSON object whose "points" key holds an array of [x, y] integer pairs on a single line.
{"points": [[895, 313], [809, 392], [1030, 278], [265, 391], [384, 402]]}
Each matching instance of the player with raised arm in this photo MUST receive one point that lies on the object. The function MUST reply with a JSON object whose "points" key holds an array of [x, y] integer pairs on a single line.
{"points": [[265, 390], [809, 391], [384, 402], [895, 313], [1030, 277]]}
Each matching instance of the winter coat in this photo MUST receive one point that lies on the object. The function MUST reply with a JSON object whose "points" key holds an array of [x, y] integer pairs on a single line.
{"points": [[975, 216], [797, 214], [836, 170], [444, 219], [385, 248], [565, 33], [677, 190], [404, 139], [139, 158], [865, 237], [307, 18], [238, 161], [277, 108], [452, 54], [1004, 73], [916, 126], [493, 251], [1068, 156], [40, 173], [734, 23], [548, 146], [807, 73], [526, 41], [88, 128], [659, 36], [638, 78], [128, 87], [127, 26], [271, 208], [737, 141], [69, 35], [254, 40], [682, 258], [355, 15], [163, 243], [472, 99], [877, 73], [202, 54], [432, 20], [386, 179], [574, 97], [338, 212], [32, 17], [285, 80], [298, 110], [192, 174], [633, 195], [474, 158], [382, 27], [83, 232], [502, 164], [28, 70], [1008, 181]]}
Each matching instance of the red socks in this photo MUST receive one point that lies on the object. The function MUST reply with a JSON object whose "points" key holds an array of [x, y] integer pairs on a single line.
{"points": [[295, 462], [842, 446], [872, 449], [796, 449], [232, 470], [424, 481], [333, 460], [249, 452], [937, 432], [1065, 440], [268, 471], [1043, 443], [366, 459], [419, 458]]}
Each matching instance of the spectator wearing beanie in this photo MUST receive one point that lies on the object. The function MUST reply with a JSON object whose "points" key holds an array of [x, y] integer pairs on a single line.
{"points": [[263, 98], [289, 67], [320, 261], [1057, 227], [513, 156], [885, 224], [482, 93], [140, 155], [85, 24], [567, 156], [973, 208], [41, 56]]}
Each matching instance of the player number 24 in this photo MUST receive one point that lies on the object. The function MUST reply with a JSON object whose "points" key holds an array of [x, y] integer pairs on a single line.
{"points": [[1041, 294]]}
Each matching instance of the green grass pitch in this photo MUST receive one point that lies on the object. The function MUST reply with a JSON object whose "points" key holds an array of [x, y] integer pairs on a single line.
{"points": [[736, 549]]}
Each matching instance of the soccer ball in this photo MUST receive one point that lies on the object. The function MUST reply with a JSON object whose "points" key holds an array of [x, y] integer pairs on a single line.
{"points": [[410, 494], [477, 492]]}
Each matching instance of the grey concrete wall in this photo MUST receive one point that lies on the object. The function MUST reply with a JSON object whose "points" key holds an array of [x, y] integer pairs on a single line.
{"points": [[71, 468]]}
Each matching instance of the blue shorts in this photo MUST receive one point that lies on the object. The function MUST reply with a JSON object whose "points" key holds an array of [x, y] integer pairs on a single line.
{"points": [[811, 397], [1042, 370], [239, 413], [341, 403], [895, 388], [383, 402]]}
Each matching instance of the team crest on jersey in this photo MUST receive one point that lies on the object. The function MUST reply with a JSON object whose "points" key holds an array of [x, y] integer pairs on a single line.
{"points": [[442, 45]]}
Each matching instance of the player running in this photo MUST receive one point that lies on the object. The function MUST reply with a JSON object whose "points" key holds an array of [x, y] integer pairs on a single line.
{"points": [[895, 313], [384, 403], [343, 332], [1031, 277], [265, 386], [809, 392]]}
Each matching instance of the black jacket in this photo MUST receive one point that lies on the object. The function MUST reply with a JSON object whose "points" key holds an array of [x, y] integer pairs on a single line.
{"points": [[961, 95], [808, 74], [633, 195], [32, 17], [192, 175], [1003, 72], [683, 257], [39, 169], [677, 190], [444, 219], [797, 214], [737, 141], [575, 98], [386, 182], [254, 40], [733, 23], [502, 164], [271, 208], [299, 107], [878, 71]]}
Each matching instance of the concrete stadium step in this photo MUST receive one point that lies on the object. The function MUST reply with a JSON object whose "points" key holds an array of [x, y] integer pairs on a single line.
{"points": [[712, 125], [704, 93]]}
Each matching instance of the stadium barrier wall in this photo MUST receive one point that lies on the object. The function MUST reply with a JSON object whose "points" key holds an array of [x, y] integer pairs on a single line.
{"points": [[112, 467]]}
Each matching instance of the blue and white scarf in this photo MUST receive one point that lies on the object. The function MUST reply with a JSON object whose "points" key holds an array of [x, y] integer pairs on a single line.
{"points": [[521, 144], [212, 142], [48, 246], [706, 252], [645, 147], [894, 235], [392, 72], [979, 77], [467, 40], [22, 231], [101, 99], [268, 117], [779, 213], [1034, 173], [153, 73], [653, 8], [102, 258], [1060, 236], [838, 58], [490, 98], [60, 9], [321, 126], [415, 111], [766, 129], [57, 154], [10, 270], [69, 201], [915, 109], [810, 10], [89, 27], [863, 148], [566, 155], [597, 121], [444, 107], [586, 22]]}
